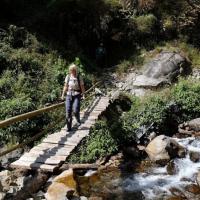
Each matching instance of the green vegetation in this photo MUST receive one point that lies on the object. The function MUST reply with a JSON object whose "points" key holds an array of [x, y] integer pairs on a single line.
{"points": [[31, 77], [145, 23], [161, 112], [99, 143], [39, 39]]}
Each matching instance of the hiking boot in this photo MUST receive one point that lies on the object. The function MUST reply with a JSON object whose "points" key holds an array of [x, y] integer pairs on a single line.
{"points": [[69, 129], [78, 123]]}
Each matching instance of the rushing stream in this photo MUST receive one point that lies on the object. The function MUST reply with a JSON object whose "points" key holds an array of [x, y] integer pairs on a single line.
{"points": [[154, 184], [157, 183]]}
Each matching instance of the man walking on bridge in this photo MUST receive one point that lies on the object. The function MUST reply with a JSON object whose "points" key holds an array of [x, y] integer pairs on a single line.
{"points": [[74, 88]]}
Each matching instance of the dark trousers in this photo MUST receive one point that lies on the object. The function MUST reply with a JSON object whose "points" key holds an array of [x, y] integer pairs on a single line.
{"points": [[72, 104]]}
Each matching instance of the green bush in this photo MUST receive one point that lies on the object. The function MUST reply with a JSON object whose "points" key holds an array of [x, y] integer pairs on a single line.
{"points": [[146, 23], [187, 95], [99, 143]]}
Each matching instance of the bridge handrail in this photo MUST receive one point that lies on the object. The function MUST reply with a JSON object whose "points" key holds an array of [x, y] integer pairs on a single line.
{"points": [[34, 113]]}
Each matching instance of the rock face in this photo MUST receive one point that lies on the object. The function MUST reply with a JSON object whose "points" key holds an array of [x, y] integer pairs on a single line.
{"points": [[163, 69], [63, 186], [164, 148]]}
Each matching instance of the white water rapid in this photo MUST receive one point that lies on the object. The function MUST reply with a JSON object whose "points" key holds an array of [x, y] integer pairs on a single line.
{"points": [[156, 183]]}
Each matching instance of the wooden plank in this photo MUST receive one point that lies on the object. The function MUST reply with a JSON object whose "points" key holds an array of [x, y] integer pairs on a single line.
{"points": [[30, 165], [52, 152], [40, 159], [33, 154], [63, 140], [50, 145], [78, 134]]}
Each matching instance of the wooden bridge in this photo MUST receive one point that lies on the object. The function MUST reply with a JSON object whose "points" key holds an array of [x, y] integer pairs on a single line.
{"points": [[52, 152]]}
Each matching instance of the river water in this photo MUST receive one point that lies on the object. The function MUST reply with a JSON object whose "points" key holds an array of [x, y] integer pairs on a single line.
{"points": [[153, 184]]}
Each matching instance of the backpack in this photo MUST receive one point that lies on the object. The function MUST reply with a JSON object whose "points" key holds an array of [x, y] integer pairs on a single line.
{"points": [[78, 79]]}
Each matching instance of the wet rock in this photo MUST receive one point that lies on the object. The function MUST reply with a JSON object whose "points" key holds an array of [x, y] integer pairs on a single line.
{"points": [[178, 193], [198, 178], [195, 189], [172, 168], [194, 156], [62, 186], [175, 150], [164, 148]]}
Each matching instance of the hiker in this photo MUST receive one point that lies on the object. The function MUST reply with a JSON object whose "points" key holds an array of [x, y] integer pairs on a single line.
{"points": [[101, 55], [74, 88]]}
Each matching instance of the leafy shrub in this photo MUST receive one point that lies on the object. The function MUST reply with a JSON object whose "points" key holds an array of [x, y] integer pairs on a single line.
{"points": [[146, 23], [187, 94], [99, 143]]}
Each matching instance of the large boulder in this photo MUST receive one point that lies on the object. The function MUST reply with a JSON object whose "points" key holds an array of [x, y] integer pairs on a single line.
{"points": [[164, 68], [63, 186], [163, 148], [194, 124]]}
